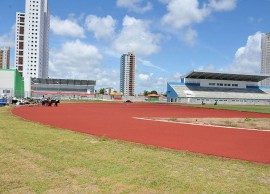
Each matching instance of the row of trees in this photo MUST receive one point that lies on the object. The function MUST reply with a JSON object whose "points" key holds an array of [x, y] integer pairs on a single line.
{"points": [[145, 93]]}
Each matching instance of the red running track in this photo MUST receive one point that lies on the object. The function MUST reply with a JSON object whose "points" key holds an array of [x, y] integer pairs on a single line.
{"points": [[117, 121]]}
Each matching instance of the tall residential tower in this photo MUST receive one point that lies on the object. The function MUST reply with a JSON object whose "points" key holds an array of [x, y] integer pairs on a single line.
{"points": [[32, 39], [265, 64], [127, 74], [20, 20], [5, 58]]}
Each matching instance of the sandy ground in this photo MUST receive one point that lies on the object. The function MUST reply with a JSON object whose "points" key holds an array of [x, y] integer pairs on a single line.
{"points": [[249, 123]]}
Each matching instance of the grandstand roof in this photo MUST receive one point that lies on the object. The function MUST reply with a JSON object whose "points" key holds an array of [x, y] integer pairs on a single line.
{"points": [[63, 81], [226, 76]]}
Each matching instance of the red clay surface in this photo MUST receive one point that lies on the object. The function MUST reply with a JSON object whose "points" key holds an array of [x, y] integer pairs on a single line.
{"points": [[116, 121]]}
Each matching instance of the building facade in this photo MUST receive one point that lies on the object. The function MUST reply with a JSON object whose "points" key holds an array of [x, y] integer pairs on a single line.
{"points": [[5, 58], [11, 83], [201, 87], [265, 63], [19, 38], [127, 74], [32, 35], [64, 88]]}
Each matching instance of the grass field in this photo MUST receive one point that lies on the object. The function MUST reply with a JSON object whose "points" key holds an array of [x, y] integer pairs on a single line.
{"points": [[40, 159], [248, 108]]}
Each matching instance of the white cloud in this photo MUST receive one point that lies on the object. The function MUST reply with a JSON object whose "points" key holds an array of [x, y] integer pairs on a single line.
{"points": [[136, 36], [190, 36], [184, 13], [66, 27], [149, 64], [8, 39], [77, 60], [150, 81], [220, 5], [144, 77], [135, 5], [248, 58], [102, 27]]}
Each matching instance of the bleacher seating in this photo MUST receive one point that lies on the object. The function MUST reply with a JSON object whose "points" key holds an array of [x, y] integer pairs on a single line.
{"points": [[221, 93]]}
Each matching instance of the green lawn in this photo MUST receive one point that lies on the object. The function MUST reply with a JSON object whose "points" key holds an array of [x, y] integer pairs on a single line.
{"points": [[248, 108], [39, 159]]}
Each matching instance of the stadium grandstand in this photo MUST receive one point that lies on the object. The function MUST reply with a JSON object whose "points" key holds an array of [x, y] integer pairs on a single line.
{"points": [[200, 87], [64, 88]]}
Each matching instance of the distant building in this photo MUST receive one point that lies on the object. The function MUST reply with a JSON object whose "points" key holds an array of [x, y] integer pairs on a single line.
{"points": [[11, 83], [5, 58], [64, 88], [127, 74], [19, 39], [265, 63], [32, 35], [201, 87], [107, 91]]}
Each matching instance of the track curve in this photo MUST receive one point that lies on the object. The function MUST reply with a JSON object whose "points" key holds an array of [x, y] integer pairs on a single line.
{"points": [[116, 121]]}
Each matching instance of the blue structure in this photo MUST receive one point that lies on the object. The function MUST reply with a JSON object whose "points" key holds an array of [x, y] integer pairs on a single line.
{"points": [[3, 102], [225, 88]]}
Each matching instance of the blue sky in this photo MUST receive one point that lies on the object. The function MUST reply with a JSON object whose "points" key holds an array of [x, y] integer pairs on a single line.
{"points": [[169, 37]]}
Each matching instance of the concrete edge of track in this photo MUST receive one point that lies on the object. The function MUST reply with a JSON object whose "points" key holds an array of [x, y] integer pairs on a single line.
{"points": [[199, 124]]}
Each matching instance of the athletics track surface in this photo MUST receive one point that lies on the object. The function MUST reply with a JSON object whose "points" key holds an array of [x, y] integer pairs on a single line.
{"points": [[116, 121]]}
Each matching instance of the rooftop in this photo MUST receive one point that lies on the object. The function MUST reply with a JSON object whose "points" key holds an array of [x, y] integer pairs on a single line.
{"points": [[226, 76], [63, 81]]}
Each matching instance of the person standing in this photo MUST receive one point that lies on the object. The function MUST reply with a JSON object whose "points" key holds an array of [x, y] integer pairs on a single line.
{"points": [[56, 101]]}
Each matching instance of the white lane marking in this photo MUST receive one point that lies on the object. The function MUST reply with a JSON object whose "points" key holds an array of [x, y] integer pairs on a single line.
{"points": [[165, 121]]}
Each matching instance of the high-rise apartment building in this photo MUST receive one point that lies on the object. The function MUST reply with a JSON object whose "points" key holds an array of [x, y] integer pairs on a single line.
{"points": [[32, 39], [20, 20], [127, 74], [5, 58], [265, 63]]}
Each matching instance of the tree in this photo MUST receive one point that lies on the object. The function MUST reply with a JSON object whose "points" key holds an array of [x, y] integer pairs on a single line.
{"points": [[102, 90], [146, 93], [153, 92]]}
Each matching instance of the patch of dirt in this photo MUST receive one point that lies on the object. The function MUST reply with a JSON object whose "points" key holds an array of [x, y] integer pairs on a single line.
{"points": [[248, 123]]}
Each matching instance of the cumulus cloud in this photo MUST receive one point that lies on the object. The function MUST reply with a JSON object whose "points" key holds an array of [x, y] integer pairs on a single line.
{"points": [[8, 39], [248, 58], [150, 81], [75, 60], [102, 27], [183, 13], [136, 36], [78, 60], [222, 5], [145, 77], [66, 27], [135, 5]]}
